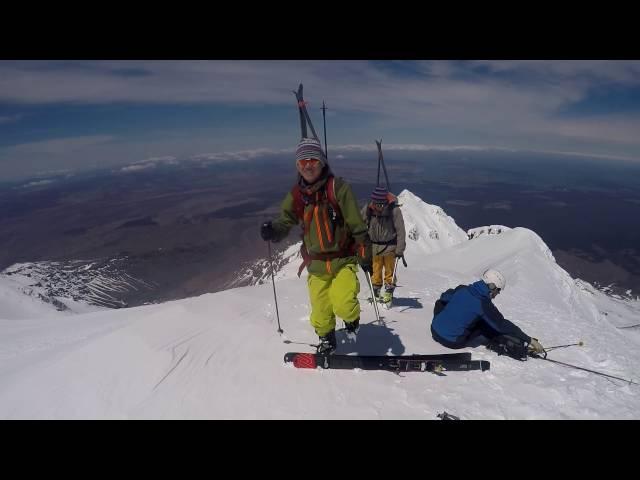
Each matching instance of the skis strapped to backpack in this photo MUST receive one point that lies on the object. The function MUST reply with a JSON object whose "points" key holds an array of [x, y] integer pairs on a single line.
{"points": [[304, 115], [326, 194], [381, 162]]}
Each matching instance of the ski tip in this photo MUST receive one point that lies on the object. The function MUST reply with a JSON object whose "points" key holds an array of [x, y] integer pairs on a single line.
{"points": [[301, 360]]}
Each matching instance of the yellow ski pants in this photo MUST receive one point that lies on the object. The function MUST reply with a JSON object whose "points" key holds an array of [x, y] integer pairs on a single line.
{"points": [[380, 261], [333, 295]]}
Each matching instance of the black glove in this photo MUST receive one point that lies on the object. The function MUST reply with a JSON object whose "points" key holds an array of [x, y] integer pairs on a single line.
{"points": [[366, 267], [266, 231]]}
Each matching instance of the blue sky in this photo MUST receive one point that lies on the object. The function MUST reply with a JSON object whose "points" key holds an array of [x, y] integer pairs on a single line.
{"points": [[71, 115]]}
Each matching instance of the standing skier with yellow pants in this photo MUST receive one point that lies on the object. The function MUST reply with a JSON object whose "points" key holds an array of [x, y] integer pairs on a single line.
{"points": [[386, 231], [335, 241]]}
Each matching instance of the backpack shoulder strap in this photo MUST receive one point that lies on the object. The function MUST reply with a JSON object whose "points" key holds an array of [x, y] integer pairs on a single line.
{"points": [[331, 192], [298, 202]]}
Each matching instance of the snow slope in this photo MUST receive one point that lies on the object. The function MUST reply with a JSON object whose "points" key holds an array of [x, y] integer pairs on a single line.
{"points": [[219, 355]]}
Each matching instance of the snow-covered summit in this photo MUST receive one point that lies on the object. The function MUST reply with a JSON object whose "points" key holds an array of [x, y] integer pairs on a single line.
{"points": [[428, 227]]}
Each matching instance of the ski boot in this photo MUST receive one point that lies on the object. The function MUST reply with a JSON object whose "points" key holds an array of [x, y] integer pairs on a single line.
{"points": [[387, 296], [351, 328], [327, 343]]}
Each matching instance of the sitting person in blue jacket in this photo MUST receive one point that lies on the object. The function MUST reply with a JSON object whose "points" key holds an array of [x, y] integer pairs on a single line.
{"points": [[466, 312]]}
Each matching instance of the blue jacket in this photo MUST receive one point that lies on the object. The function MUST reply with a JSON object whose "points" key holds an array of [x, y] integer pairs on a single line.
{"points": [[464, 307]]}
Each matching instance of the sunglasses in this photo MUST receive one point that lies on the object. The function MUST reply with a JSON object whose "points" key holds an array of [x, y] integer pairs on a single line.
{"points": [[308, 162], [379, 204], [493, 289]]}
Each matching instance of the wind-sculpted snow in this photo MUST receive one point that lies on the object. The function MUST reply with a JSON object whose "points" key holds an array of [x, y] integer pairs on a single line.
{"points": [[488, 230], [74, 285], [259, 272]]}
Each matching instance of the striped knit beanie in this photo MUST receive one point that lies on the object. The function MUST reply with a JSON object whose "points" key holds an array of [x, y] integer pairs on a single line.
{"points": [[310, 148], [379, 194]]}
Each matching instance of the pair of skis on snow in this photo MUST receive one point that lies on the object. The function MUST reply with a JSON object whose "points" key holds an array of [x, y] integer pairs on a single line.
{"points": [[437, 363]]}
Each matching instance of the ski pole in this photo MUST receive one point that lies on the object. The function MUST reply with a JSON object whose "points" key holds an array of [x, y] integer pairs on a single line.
{"points": [[379, 164], [579, 344], [289, 342], [373, 296], [273, 281], [587, 370], [395, 267]]}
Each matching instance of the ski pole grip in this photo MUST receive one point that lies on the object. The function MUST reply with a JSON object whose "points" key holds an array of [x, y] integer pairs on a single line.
{"points": [[404, 262]]}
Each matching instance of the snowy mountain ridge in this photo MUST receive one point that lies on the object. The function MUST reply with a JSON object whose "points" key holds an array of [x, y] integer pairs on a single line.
{"points": [[73, 286], [219, 355]]}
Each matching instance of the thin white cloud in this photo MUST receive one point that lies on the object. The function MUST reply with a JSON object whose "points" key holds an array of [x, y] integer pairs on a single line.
{"points": [[240, 156], [165, 159], [610, 128], [137, 168], [417, 148], [207, 158], [475, 148], [38, 183], [247, 155], [64, 145]]}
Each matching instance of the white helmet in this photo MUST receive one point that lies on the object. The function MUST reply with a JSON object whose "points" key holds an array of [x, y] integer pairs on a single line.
{"points": [[495, 277]]}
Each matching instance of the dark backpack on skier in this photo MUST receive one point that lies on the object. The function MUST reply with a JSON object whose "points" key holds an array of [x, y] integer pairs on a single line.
{"points": [[392, 201]]}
